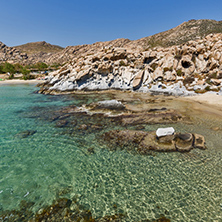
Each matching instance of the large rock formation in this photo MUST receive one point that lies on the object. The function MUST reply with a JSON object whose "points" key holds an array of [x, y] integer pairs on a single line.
{"points": [[195, 65]]}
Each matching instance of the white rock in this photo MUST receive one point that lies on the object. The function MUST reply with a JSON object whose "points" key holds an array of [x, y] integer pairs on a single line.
{"points": [[165, 131]]}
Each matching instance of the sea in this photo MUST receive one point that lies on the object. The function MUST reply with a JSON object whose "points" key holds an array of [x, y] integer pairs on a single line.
{"points": [[41, 161]]}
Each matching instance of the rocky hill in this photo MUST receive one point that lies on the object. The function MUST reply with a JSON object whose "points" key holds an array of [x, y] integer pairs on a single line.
{"points": [[180, 70], [37, 47]]}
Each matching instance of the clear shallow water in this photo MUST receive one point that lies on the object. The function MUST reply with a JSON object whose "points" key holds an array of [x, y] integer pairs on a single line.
{"points": [[51, 164]]}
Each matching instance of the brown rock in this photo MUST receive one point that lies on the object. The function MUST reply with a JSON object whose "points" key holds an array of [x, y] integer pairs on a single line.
{"points": [[199, 141], [184, 142], [150, 142]]}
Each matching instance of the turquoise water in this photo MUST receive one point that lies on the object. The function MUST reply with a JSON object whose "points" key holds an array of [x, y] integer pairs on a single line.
{"points": [[54, 162]]}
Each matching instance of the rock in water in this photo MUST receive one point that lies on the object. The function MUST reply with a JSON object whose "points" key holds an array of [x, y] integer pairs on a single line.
{"points": [[184, 142], [110, 104], [199, 141], [165, 131]]}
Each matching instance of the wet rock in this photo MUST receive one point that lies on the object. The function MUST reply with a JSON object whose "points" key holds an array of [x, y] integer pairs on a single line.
{"points": [[165, 131], [123, 138], [199, 141], [184, 142], [150, 142], [26, 133]]}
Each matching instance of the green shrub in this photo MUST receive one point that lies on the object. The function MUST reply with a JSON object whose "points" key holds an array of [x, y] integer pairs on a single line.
{"points": [[27, 76], [207, 88], [1, 68], [7, 67], [168, 69], [154, 66], [122, 63], [193, 59], [55, 65], [18, 67], [11, 76], [179, 72], [178, 57], [41, 66]]}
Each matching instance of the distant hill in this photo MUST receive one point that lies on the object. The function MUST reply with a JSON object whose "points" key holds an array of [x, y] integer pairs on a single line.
{"points": [[37, 47]]}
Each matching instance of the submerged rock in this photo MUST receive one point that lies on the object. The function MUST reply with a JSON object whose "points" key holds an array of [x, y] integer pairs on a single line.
{"points": [[162, 116], [62, 209], [26, 133]]}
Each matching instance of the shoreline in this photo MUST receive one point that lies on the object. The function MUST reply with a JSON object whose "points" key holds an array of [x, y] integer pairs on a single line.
{"points": [[209, 100], [20, 81]]}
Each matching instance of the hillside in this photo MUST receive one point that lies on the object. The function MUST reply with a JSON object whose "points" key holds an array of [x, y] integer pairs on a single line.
{"points": [[36, 47], [191, 30]]}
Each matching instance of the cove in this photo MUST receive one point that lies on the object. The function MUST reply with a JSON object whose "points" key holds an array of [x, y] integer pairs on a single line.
{"points": [[42, 160]]}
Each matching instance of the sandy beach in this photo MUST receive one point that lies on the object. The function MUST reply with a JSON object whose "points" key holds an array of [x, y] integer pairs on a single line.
{"points": [[207, 98], [20, 81], [209, 103]]}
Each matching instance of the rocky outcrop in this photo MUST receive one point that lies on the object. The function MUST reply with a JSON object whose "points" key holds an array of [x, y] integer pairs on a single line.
{"points": [[144, 142], [193, 66], [10, 54]]}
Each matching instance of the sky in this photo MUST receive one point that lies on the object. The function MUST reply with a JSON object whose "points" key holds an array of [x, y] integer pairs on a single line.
{"points": [[72, 22]]}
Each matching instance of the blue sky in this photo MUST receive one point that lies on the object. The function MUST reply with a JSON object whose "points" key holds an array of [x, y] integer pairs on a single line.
{"points": [[71, 22]]}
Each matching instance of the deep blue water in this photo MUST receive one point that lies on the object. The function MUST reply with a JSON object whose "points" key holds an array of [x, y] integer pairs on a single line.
{"points": [[52, 163]]}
